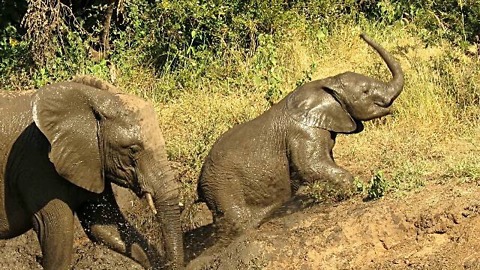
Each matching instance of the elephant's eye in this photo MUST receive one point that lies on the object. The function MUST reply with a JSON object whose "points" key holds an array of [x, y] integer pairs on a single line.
{"points": [[134, 149]]}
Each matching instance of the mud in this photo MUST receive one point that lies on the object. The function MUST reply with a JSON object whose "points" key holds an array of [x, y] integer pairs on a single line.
{"points": [[435, 228]]}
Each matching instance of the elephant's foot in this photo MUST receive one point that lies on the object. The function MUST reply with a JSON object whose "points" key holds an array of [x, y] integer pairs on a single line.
{"points": [[230, 228], [342, 186], [54, 227], [336, 182]]}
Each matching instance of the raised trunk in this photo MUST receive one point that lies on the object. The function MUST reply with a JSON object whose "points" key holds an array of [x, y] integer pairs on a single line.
{"points": [[395, 86]]}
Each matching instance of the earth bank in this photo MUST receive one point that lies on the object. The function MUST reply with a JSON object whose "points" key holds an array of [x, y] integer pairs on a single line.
{"points": [[434, 228]]}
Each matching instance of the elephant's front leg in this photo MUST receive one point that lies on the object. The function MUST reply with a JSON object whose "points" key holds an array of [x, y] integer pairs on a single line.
{"points": [[312, 160], [54, 227], [104, 223]]}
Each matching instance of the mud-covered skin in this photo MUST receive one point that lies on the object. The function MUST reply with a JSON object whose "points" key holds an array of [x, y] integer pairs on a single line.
{"points": [[61, 147], [257, 166]]}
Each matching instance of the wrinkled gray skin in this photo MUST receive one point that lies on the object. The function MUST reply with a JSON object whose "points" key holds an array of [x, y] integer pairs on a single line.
{"points": [[257, 166], [61, 147]]}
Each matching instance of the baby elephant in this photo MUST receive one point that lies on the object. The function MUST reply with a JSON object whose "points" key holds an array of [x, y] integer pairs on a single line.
{"points": [[254, 167]]}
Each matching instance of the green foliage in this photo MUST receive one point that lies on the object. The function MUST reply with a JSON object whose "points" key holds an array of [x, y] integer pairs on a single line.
{"points": [[179, 34], [14, 55], [322, 192], [454, 19], [267, 60], [307, 75], [466, 170], [199, 36], [64, 55], [208, 65], [460, 81], [378, 186], [409, 176], [359, 186]]}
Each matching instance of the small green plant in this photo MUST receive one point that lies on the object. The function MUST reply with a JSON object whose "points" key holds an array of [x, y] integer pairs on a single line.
{"points": [[14, 57], [267, 65], [307, 75], [409, 176], [360, 187], [467, 171], [378, 186]]}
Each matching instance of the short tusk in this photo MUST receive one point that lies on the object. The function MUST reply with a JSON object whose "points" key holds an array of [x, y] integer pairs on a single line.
{"points": [[150, 203]]}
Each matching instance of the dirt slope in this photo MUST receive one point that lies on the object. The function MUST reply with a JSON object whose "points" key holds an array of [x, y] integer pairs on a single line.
{"points": [[437, 227]]}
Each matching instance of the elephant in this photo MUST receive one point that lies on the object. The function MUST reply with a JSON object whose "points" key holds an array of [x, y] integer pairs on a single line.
{"points": [[257, 166], [61, 148]]}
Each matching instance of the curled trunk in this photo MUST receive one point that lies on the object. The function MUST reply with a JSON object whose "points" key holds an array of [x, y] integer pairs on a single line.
{"points": [[395, 85]]}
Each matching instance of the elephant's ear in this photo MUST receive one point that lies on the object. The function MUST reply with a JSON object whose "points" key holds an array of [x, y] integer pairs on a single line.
{"points": [[315, 105], [69, 115]]}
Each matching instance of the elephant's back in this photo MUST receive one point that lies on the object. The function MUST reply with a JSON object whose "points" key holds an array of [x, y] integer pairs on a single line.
{"points": [[15, 112], [15, 117], [256, 140], [16, 100], [252, 154]]}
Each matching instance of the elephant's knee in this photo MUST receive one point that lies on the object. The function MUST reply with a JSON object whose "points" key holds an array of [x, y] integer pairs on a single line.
{"points": [[54, 227], [55, 215]]}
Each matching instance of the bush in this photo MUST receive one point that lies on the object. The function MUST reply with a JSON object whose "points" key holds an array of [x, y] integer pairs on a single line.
{"points": [[453, 19], [14, 56], [209, 65]]}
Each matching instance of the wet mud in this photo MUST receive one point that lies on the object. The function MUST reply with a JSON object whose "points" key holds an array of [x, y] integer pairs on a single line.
{"points": [[437, 227]]}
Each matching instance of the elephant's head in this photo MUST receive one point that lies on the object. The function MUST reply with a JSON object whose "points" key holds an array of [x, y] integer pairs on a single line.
{"points": [[98, 134], [341, 102]]}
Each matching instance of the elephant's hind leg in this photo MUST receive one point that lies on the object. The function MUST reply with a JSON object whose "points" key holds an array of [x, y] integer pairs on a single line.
{"points": [[232, 216], [54, 227]]}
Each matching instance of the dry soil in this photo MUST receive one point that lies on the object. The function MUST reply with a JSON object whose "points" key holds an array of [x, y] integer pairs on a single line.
{"points": [[437, 227]]}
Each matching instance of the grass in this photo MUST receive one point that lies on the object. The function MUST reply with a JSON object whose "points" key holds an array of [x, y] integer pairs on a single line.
{"points": [[432, 136], [429, 137]]}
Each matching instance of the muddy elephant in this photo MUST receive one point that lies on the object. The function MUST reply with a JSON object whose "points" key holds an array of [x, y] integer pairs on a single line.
{"points": [[61, 148], [256, 166]]}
